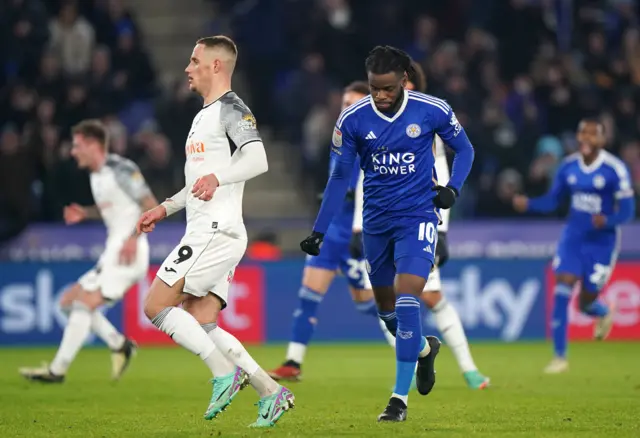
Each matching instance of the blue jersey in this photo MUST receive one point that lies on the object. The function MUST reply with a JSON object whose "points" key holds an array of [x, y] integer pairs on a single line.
{"points": [[601, 188], [341, 226], [397, 155]]}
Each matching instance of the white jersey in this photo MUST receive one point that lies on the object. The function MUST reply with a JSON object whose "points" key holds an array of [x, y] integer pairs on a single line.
{"points": [[442, 171], [118, 188], [218, 130]]}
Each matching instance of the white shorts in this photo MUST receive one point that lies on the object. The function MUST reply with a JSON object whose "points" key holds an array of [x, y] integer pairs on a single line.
{"points": [[206, 261], [433, 282], [114, 280]]}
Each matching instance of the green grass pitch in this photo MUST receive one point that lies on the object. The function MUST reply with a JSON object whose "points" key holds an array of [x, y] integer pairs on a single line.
{"points": [[345, 387]]}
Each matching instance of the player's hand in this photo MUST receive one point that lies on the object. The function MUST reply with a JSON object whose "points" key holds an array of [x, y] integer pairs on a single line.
{"points": [[445, 197], [148, 219], [73, 214], [205, 186], [520, 203], [599, 220], [442, 249], [356, 248], [311, 245], [128, 251]]}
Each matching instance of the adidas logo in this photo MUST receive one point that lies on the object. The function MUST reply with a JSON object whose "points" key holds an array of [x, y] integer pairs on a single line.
{"points": [[371, 136], [427, 249]]}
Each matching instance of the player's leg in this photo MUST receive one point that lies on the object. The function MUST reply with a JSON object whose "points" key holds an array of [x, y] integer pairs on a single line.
{"points": [[397, 310], [567, 269], [317, 276], [75, 334], [213, 274], [228, 379], [599, 262], [450, 327]]}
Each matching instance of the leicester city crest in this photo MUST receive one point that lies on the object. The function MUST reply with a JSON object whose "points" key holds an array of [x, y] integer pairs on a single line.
{"points": [[413, 130]]}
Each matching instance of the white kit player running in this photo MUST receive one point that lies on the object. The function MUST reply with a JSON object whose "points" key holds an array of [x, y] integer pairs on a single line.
{"points": [[223, 150], [121, 194], [445, 315]]}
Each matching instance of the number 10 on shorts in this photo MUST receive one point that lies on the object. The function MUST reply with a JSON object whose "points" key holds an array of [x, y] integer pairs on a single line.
{"points": [[427, 231]]}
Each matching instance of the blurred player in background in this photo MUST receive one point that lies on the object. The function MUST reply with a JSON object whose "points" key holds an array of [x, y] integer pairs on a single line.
{"points": [[121, 194], [320, 271], [602, 199], [223, 149], [393, 132], [445, 315]]}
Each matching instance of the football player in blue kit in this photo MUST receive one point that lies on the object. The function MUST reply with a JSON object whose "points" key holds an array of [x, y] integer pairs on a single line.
{"points": [[320, 271], [392, 131], [602, 199]]}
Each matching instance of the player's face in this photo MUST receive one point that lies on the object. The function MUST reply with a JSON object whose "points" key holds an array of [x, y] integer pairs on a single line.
{"points": [[351, 97], [83, 150], [386, 89], [590, 138], [199, 69]]}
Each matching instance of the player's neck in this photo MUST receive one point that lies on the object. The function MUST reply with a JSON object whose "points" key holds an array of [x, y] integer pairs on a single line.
{"points": [[216, 91], [591, 159], [100, 160]]}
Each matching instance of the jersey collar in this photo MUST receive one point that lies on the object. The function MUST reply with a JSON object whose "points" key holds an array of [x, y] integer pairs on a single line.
{"points": [[397, 114], [593, 166]]}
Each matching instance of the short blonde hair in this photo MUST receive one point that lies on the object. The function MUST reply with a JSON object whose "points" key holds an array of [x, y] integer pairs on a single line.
{"points": [[93, 129]]}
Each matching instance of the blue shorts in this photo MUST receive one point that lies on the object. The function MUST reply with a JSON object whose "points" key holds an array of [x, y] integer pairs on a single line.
{"points": [[591, 261], [406, 249], [334, 256]]}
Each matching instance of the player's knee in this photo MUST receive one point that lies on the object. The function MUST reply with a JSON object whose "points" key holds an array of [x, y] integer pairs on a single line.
{"points": [[431, 299], [568, 279], [91, 300], [361, 295], [204, 309]]}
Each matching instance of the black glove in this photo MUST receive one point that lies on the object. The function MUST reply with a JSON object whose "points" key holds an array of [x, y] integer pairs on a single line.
{"points": [[311, 245], [355, 245], [445, 198], [442, 249]]}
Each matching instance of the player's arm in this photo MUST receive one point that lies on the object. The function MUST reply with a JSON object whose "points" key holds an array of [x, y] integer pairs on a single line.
{"points": [[240, 125], [549, 201], [343, 157], [453, 135], [626, 200]]}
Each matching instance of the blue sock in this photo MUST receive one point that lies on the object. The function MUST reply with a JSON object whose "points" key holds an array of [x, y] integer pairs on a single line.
{"points": [[367, 308], [408, 341], [597, 309], [390, 320], [561, 298], [304, 317]]}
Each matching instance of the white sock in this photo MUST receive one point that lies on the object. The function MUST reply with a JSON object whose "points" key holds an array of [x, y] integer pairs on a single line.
{"points": [[387, 334], [75, 334], [296, 351], [425, 351], [404, 398], [236, 353], [102, 327], [450, 326], [185, 330], [222, 365]]}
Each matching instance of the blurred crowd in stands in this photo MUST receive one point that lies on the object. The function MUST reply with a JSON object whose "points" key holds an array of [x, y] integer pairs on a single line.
{"points": [[519, 74]]}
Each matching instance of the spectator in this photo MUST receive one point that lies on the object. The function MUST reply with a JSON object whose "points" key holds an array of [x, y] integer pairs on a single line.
{"points": [[72, 39]]}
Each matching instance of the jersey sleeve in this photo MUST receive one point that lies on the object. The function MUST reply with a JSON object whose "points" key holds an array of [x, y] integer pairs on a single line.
{"points": [[239, 123], [343, 158], [623, 186], [550, 200], [449, 129], [130, 180]]}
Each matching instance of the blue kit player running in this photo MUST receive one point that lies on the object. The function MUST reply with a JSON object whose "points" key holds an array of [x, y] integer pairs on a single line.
{"points": [[601, 200], [392, 131], [320, 271]]}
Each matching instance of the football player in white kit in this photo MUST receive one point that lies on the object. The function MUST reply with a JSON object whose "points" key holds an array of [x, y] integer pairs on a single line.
{"points": [[223, 149], [121, 194], [446, 316]]}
